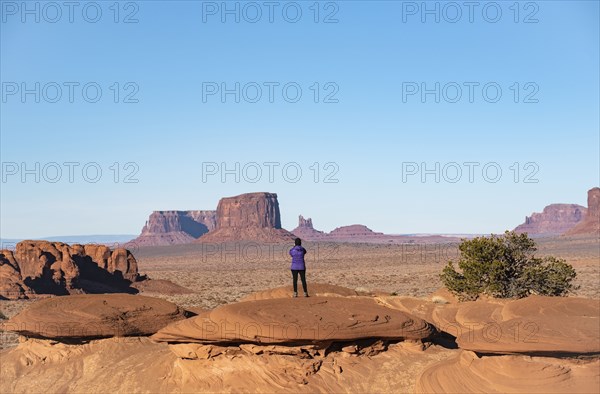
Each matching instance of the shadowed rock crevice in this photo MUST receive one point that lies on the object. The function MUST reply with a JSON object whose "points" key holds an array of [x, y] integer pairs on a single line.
{"points": [[175, 227]]}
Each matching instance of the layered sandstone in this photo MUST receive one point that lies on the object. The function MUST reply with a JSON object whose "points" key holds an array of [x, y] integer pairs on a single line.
{"points": [[470, 373], [250, 216], [590, 225], [313, 319], [86, 316], [538, 325], [555, 219], [175, 227], [535, 325]]}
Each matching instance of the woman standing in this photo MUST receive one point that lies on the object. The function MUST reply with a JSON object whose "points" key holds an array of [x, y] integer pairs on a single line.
{"points": [[298, 266]]}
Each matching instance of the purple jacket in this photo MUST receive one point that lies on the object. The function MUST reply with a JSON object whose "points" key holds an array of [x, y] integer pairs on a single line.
{"points": [[297, 253]]}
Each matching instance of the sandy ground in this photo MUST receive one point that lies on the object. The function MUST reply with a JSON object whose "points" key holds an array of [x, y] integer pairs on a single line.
{"points": [[221, 274]]}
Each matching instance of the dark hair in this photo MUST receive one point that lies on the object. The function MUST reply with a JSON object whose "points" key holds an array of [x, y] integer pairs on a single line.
{"points": [[298, 241]]}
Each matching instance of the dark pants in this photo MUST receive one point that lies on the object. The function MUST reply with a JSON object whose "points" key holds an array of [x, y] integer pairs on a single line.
{"points": [[302, 278]]}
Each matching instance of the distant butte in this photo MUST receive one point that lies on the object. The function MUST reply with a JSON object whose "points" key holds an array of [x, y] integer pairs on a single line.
{"points": [[555, 219], [250, 216], [360, 233]]}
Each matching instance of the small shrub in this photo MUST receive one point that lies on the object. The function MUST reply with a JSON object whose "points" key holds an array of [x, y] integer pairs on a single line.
{"points": [[504, 266]]}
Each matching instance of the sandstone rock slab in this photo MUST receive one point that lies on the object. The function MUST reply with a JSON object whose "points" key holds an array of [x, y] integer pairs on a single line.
{"points": [[87, 316], [297, 320], [468, 373]]}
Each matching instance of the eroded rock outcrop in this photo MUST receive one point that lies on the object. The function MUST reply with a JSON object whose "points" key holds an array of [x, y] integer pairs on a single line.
{"points": [[532, 325], [125, 365], [590, 225], [302, 320], [175, 227], [11, 282], [469, 373], [361, 233], [306, 231], [538, 325], [87, 316], [555, 219], [42, 267], [250, 216]]}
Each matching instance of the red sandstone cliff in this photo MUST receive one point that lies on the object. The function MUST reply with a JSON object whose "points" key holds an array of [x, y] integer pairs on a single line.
{"points": [[555, 219], [250, 216], [591, 221], [175, 227]]}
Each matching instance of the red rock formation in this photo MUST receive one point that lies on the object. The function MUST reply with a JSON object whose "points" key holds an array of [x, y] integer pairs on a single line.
{"points": [[471, 373], [305, 223], [352, 233], [547, 324], [11, 283], [590, 224], [555, 219], [356, 231], [361, 233], [315, 319], [250, 216], [42, 267], [306, 231], [175, 227], [89, 316]]}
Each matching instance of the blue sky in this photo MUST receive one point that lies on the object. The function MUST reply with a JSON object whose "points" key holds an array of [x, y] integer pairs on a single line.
{"points": [[546, 119]]}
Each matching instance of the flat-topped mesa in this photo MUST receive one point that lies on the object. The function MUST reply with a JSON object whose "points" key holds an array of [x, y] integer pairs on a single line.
{"points": [[175, 227], [250, 216], [590, 225], [194, 223], [42, 267], [555, 219], [354, 230], [249, 210]]}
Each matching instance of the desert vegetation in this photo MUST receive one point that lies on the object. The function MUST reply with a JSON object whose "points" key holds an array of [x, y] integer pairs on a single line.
{"points": [[505, 266]]}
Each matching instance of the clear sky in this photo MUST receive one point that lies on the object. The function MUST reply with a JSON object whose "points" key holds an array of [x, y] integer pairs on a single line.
{"points": [[361, 68]]}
